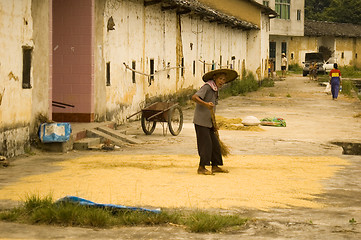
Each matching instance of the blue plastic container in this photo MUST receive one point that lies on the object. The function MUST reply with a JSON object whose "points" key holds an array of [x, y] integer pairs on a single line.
{"points": [[54, 132]]}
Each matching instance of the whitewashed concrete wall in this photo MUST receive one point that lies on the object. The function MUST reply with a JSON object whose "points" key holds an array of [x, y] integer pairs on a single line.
{"points": [[16, 27], [23, 23], [144, 33]]}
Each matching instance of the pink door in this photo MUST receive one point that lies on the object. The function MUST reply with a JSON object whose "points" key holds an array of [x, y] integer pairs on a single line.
{"points": [[72, 59]]}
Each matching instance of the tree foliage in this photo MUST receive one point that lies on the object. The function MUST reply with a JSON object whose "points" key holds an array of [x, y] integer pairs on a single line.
{"points": [[344, 11]]}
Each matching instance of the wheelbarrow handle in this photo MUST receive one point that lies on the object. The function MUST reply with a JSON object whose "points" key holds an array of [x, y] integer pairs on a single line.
{"points": [[134, 114], [140, 111], [153, 116]]}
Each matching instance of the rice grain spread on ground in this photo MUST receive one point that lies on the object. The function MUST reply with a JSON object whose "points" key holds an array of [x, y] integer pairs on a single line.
{"points": [[170, 181]]}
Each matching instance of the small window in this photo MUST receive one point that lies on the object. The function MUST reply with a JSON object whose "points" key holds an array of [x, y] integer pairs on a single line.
{"points": [[213, 65], [292, 56], [356, 55], [168, 66], [266, 3], [108, 74], [194, 68], [182, 67], [342, 55], [298, 15], [204, 67], [220, 61], [133, 73], [27, 53], [227, 63], [151, 70]]}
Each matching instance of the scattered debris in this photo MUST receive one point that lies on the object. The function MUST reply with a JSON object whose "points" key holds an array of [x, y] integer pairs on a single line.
{"points": [[108, 145], [349, 147], [3, 161], [357, 115]]}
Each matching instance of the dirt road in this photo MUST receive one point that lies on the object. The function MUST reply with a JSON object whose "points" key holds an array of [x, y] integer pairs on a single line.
{"points": [[292, 182]]}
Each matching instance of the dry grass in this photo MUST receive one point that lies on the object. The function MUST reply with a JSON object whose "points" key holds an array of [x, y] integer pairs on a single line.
{"points": [[235, 124]]}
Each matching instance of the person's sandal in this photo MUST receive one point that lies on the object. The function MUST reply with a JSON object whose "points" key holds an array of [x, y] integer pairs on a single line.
{"points": [[204, 171], [216, 169]]}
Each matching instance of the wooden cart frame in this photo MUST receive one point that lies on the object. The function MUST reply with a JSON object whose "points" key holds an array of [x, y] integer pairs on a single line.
{"points": [[161, 112]]}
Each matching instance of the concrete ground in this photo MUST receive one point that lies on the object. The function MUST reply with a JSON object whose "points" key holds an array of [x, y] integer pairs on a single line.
{"points": [[292, 182]]}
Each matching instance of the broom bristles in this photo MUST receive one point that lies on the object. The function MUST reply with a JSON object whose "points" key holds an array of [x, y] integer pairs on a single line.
{"points": [[225, 151]]}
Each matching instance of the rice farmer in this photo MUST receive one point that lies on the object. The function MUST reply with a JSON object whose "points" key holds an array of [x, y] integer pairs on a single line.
{"points": [[283, 65], [335, 81], [206, 97]]}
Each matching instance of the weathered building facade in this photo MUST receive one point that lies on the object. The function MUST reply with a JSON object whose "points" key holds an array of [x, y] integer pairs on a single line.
{"points": [[97, 60], [288, 24], [343, 40], [24, 71]]}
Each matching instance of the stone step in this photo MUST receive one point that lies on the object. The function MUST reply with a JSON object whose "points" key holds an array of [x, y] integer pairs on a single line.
{"points": [[119, 135], [86, 143], [96, 133]]}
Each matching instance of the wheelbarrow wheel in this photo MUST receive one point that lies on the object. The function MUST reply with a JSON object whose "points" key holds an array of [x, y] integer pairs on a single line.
{"points": [[147, 126], [175, 120]]}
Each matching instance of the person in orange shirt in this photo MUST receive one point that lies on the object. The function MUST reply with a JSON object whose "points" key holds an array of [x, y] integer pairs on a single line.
{"points": [[335, 81]]}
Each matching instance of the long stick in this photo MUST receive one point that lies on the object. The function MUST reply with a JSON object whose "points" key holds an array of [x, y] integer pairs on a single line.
{"points": [[224, 148]]}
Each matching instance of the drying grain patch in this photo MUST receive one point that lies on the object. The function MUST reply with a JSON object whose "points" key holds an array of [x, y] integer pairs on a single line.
{"points": [[234, 124], [171, 181]]}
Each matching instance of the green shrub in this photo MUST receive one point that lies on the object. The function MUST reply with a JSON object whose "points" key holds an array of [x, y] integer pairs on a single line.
{"points": [[240, 86], [350, 71], [295, 68], [267, 83], [347, 87], [206, 222]]}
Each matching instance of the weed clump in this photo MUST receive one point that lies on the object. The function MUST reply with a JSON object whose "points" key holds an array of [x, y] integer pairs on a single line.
{"points": [[36, 210], [248, 83]]}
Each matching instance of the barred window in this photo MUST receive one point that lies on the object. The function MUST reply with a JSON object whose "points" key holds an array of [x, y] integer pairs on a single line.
{"points": [[266, 3], [283, 9]]}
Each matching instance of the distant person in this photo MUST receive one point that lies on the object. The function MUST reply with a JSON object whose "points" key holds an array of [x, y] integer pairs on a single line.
{"points": [[313, 71], [335, 81], [284, 65], [206, 98]]}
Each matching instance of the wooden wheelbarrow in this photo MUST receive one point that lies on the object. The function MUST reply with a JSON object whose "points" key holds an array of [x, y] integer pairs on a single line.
{"points": [[161, 112]]}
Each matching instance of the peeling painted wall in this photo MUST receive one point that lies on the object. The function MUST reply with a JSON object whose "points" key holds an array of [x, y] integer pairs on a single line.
{"points": [[41, 101], [142, 34], [14, 141], [16, 28], [299, 46], [241, 9], [344, 51]]}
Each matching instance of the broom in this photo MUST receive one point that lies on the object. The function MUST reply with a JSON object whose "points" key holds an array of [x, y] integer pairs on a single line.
{"points": [[224, 148]]}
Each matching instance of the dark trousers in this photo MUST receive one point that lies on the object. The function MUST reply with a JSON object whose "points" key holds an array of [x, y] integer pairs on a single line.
{"points": [[335, 87], [209, 149]]}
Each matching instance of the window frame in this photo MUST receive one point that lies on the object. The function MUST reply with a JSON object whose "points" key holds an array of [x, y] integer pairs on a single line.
{"points": [[283, 8], [27, 65]]}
